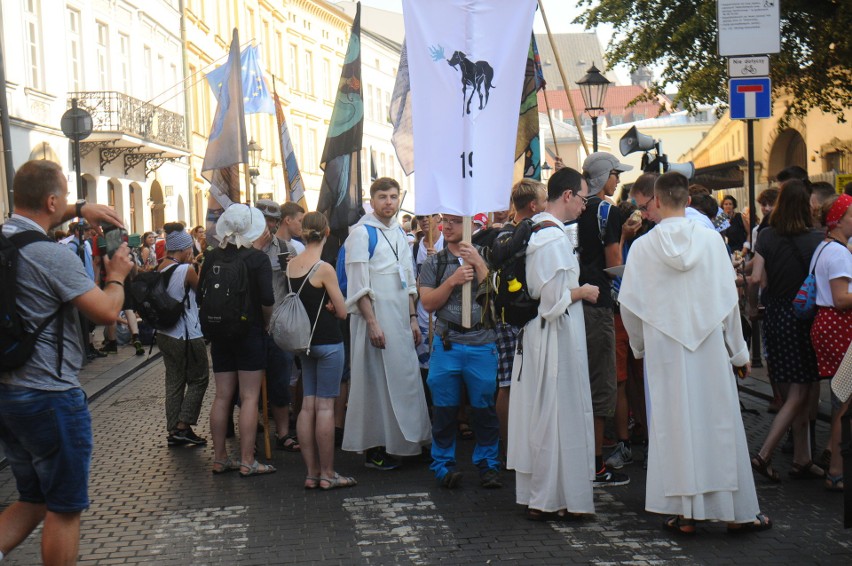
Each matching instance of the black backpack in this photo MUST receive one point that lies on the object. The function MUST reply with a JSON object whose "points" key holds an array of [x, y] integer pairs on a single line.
{"points": [[151, 299], [225, 300], [16, 344], [512, 303]]}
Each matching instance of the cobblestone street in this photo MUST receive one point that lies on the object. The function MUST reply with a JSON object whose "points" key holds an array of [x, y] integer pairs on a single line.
{"points": [[155, 505]]}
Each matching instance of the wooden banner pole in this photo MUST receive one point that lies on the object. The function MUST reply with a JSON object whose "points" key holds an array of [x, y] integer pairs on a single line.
{"points": [[466, 303]]}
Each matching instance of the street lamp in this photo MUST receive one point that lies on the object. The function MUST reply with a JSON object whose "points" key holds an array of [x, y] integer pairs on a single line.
{"points": [[546, 169], [593, 87], [254, 151]]}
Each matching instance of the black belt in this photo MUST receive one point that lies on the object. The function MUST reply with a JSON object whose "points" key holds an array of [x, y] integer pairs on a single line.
{"points": [[461, 329]]}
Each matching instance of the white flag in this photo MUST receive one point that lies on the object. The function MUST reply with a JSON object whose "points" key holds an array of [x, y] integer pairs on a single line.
{"points": [[466, 62]]}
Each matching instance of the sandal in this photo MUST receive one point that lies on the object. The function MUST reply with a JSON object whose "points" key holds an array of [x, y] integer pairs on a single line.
{"points": [[256, 469], [288, 443], [311, 482], [760, 523], [336, 481], [465, 432], [834, 483], [680, 525], [763, 467], [536, 515], [806, 471], [225, 466]]}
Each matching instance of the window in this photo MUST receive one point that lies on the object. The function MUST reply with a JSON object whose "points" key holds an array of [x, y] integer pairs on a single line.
{"points": [[369, 102], [132, 208], [328, 88], [294, 67], [75, 69], [111, 194], [32, 25], [308, 80], [298, 146], [148, 62], [102, 49], [386, 114], [124, 53], [311, 151], [616, 120], [279, 48], [377, 103]]}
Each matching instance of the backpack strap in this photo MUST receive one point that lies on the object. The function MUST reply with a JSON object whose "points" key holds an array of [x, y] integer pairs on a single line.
{"points": [[372, 239], [443, 259], [603, 217], [308, 276]]}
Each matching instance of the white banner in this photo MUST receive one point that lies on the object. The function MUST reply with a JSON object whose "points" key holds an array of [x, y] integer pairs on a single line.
{"points": [[466, 63]]}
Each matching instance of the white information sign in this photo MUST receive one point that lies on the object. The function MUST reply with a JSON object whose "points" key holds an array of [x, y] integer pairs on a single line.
{"points": [[748, 66], [747, 27]]}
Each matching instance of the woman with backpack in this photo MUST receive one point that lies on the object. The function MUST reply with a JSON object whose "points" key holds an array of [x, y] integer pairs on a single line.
{"points": [[322, 365], [832, 329], [780, 265], [183, 348], [236, 305]]}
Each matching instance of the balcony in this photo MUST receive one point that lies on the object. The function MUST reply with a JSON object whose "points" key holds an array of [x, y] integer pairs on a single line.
{"points": [[120, 113], [123, 125]]}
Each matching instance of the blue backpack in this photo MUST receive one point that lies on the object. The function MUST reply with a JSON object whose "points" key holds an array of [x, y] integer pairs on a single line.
{"points": [[340, 267]]}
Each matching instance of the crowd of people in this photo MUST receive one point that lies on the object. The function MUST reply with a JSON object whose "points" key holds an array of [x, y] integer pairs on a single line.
{"points": [[393, 369]]}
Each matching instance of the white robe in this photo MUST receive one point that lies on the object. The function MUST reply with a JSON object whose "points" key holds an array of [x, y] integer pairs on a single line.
{"points": [[679, 306], [387, 404], [551, 427]]}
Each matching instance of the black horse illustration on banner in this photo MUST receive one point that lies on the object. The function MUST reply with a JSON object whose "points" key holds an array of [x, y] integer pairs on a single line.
{"points": [[475, 74]]}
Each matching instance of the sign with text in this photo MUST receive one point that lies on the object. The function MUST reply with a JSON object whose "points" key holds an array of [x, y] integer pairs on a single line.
{"points": [[748, 66], [750, 99], [747, 27]]}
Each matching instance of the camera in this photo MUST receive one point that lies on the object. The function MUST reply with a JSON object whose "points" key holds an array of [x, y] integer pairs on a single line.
{"points": [[112, 239]]}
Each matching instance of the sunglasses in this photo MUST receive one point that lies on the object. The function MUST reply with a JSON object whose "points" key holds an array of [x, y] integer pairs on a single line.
{"points": [[270, 208]]}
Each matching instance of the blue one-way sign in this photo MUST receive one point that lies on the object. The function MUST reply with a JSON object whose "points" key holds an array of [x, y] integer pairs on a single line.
{"points": [[750, 98]]}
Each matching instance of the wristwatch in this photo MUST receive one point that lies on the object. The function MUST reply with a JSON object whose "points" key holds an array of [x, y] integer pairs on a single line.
{"points": [[78, 208]]}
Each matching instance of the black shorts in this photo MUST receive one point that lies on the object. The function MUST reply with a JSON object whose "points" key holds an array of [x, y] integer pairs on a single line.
{"points": [[247, 353]]}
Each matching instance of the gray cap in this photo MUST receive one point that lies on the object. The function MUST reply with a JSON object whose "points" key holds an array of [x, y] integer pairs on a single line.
{"points": [[597, 167], [269, 208]]}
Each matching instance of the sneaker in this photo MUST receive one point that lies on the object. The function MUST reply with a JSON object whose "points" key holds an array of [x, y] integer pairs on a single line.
{"points": [[93, 353], [109, 347], [610, 479], [140, 349], [451, 480], [620, 457], [378, 459], [173, 439], [490, 479], [189, 437]]}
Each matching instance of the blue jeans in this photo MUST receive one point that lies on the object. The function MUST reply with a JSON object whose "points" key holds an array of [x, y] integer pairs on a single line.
{"points": [[47, 437], [476, 368], [322, 371]]}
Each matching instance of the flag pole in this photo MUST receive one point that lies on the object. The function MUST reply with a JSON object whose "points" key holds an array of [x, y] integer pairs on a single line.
{"points": [[466, 303], [564, 80]]}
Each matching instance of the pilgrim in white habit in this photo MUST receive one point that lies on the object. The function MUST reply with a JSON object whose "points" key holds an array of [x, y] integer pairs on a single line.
{"points": [[551, 428], [679, 306]]}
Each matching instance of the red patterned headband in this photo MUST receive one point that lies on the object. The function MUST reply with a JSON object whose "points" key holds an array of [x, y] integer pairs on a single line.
{"points": [[838, 209]]}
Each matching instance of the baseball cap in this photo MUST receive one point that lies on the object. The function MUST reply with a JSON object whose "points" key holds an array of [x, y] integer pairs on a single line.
{"points": [[480, 219], [598, 166]]}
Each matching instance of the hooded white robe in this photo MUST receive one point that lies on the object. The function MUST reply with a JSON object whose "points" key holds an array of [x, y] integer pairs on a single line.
{"points": [[679, 306], [551, 429], [387, 404]]}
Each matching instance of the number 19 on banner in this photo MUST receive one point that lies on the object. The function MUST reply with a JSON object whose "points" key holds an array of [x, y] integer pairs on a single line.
{"points": [[467, 164]]}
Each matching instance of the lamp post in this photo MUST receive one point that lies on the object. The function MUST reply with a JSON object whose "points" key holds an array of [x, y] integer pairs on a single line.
{"points": [[254, 151], [546, 170], [593, 87]]}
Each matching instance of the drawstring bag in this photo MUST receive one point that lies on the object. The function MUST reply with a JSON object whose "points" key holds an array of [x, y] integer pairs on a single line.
{"points": [[804, 303], [290, 326]]}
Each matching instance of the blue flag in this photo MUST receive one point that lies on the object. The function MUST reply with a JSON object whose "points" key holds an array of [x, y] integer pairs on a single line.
{"points": [[256, 96]]}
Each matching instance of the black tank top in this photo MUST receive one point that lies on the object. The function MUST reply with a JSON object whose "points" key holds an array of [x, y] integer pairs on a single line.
{"points": [[328, 329]]}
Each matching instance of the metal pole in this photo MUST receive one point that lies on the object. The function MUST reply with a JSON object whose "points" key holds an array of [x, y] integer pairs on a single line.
{"points": [[5, 132], [752, 216], [594, 133], [76, 142]]}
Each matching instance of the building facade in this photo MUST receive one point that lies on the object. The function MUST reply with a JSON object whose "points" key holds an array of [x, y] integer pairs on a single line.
{"points": [[122, 62]]}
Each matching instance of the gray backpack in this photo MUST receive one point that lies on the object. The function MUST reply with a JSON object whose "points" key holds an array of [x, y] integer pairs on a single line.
{"points": [[290, 326]]}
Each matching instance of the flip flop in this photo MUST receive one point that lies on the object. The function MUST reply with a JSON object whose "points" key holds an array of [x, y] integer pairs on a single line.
{"points": [[833, 483]]}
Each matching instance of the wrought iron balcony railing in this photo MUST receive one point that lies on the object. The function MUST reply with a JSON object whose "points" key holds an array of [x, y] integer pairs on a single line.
{"points": [[117, 112]]}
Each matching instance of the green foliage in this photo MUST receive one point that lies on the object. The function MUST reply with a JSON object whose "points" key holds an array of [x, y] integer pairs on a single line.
{"points": [[680, 37]]}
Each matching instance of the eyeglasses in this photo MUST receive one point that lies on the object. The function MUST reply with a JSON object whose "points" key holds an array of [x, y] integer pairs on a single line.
{"points": [[450, 222], [642, 207], [616, 173]]}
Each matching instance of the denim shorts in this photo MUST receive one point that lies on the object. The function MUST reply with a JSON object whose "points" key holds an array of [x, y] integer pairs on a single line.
{"points": [[47, 438], [322, 371], [247, 353], [278, 369]]}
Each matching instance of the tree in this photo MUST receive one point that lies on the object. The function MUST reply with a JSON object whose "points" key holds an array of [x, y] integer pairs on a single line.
{"points": [[813, 66]]}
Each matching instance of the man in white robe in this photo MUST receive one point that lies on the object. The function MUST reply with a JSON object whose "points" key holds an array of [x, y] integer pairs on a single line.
{"points": [[679, 306], [387, 411], [551, 428]]}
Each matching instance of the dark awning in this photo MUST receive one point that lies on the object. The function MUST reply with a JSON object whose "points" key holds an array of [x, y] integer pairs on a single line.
{"points": [[728, 175]]}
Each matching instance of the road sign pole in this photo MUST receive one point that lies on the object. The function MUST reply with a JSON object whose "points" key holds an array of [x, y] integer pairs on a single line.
{"points": [[77, 173], [752, 216]]}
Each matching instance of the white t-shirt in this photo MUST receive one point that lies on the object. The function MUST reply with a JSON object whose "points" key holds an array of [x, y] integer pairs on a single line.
{"points": [[297, 245], [835, 261]]}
